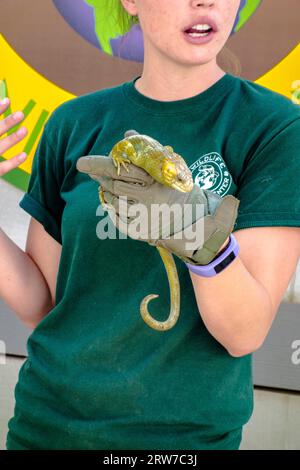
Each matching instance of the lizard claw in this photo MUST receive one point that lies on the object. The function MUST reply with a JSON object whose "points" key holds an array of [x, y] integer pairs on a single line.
{"points": [[125, 165], [105, 205], [120, 160]]}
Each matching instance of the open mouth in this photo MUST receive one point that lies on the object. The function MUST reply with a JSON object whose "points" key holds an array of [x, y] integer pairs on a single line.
{"points": [[199, 31]]}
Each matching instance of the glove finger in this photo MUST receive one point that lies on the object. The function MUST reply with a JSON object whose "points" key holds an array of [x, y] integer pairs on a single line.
{"points": [[108, 184], [226, 213], [121, 207], [101, 165], [122, 224], [133, 191], [136, 228]]}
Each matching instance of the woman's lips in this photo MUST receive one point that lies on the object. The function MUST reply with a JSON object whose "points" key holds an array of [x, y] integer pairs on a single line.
{"points": [[199, 39], [203, 20]]}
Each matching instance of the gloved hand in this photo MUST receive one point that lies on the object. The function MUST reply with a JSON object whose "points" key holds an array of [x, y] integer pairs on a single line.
{"points": [[195, 232]]}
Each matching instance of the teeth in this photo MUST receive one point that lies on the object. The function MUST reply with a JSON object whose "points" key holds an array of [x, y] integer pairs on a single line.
{"points": [[201, 27], [197, 35]]}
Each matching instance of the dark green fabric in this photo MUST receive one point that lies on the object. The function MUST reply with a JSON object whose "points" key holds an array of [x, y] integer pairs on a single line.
{"points": [[97, 377]]}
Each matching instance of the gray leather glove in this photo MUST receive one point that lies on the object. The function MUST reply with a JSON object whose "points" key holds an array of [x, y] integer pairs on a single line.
{"points": [[195, 231]]}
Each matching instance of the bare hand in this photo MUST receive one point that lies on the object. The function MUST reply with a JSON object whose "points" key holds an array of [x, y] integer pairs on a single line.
{"points": [[11, 140]]}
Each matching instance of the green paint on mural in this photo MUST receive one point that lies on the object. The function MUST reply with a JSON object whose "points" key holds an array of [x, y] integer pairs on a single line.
{"points": [[16, 177], [2, 89], [36, 131], [106, 25], [4, 94], [247, 12]]}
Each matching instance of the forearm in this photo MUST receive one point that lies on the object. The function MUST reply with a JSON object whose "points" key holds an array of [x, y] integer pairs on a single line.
{"points": [[235, 308], [22, 285]]}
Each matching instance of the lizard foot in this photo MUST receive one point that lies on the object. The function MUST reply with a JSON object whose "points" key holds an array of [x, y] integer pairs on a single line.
{"points": [[102, 200], [121, 160]]}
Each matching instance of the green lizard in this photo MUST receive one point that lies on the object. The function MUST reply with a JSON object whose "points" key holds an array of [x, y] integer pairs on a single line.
{"points": [[170, 169]]}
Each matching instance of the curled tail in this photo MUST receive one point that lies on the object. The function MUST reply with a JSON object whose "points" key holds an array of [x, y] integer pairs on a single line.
{"points": [[174, 285]]}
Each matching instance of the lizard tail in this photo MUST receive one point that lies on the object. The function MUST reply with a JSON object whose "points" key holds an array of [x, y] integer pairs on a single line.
{"points": [[174, 285]]}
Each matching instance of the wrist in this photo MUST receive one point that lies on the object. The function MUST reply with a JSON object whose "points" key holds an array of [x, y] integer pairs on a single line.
{"points": [[223, 259]]}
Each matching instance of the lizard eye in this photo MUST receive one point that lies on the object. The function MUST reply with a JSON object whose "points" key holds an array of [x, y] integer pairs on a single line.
{"points": [[169, 168]]}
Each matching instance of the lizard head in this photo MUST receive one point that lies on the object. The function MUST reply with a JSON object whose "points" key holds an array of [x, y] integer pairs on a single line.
{"points": [[175, 171], [160, 161]]}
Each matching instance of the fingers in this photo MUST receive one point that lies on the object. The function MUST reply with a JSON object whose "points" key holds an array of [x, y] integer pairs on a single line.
{"points": [[12, 139], [110, 184], [132, 190], [8, 123], [121, 207], [12, 163], [101, 165]]}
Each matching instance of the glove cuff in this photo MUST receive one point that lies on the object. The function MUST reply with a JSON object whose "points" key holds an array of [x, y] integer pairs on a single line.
{"points": [[215, 229]]}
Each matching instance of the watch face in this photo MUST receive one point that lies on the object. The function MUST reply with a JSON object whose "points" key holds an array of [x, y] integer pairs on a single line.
{"points": [[223, 264]]}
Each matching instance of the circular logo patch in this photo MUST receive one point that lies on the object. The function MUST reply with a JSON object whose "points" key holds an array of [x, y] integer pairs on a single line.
{"points": [[210, 172]]}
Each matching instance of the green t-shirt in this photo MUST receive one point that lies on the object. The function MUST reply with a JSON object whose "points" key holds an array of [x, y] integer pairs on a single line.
{"points": [[98, 377]]}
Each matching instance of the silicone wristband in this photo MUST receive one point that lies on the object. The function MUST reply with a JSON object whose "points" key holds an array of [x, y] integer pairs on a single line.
{"points": [[219, 263]]}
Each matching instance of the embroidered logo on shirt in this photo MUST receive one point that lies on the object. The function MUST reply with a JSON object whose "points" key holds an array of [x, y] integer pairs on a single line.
{"points": [[210, 172]]}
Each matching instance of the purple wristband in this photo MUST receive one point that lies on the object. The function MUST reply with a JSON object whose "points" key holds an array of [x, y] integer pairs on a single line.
{"points": [[219, 263]]}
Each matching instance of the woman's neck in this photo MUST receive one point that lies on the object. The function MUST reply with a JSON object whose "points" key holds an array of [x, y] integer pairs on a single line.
{"points": [[166, 85]]}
